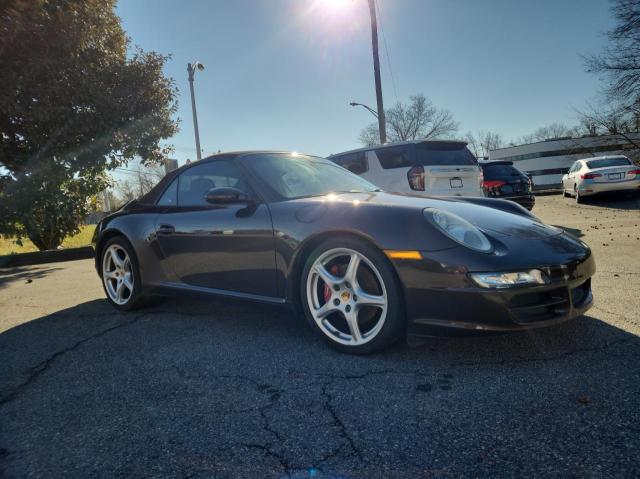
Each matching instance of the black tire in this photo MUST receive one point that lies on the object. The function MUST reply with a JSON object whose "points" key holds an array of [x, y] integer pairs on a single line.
{"points": [[394, 324], [136, 298], [579, 198]]}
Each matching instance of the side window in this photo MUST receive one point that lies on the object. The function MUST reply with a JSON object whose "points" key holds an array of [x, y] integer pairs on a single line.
{"points": [[354, 162], [393, 157], [196, 181], [170, 195]]}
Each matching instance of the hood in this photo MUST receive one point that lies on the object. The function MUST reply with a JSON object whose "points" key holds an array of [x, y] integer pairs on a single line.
{"points": [[509, 221]]}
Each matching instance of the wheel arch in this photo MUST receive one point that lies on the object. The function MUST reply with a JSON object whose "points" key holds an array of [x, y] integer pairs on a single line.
{"points": [[104, 237]]}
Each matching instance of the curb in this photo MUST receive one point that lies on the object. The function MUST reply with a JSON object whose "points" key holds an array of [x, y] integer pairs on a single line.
{"points": [[51, 256]]}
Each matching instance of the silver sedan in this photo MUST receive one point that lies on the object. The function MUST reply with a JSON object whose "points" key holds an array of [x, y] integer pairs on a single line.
{"points": [[599, 175]]}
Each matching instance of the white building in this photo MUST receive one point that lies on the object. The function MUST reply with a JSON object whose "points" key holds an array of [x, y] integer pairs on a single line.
{"points": [[546, 161]]}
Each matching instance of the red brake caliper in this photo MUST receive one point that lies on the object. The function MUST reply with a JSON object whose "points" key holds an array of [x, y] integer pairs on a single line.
{"points": [[327, 289]]}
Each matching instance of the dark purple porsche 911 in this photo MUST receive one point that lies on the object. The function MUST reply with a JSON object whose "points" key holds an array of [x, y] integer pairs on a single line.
{"points": [[365, 266]]}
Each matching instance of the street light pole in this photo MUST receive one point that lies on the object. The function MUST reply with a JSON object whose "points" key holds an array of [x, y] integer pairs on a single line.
{"points": [[191, 68], [371, 110], [376, 72]]}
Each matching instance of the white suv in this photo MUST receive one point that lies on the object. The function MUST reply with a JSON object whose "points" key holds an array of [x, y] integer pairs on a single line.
{"points": [[434, 168]]}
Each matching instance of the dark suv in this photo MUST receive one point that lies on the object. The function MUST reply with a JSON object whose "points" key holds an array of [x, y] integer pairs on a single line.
{"points": [[503, 180]]}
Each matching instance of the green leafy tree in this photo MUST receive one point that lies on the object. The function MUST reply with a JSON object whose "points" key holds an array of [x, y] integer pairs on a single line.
{"points": [[75, 102]]}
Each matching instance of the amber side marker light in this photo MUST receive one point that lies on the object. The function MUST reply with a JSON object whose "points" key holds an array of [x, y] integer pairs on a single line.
{"points": [[403, 254]]}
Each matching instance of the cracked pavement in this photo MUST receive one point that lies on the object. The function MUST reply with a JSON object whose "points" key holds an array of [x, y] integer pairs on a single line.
{"points": [[203, 388]]}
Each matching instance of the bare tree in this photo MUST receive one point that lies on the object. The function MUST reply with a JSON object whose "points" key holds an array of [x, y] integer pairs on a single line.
{"points": [[126, 191], [619, 63], [552, 131], [523, 140], [417, 119], [370, 135], [482, 143], [617, 120], [139, 180], [611, 120]]}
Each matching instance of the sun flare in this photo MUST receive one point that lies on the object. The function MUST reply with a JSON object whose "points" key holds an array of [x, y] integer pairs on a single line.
{"points": [[335, 8], [335, 5]]}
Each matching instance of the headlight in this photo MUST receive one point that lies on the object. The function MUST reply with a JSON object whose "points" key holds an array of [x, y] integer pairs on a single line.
{"points": [[458, 229], [509, 280]]}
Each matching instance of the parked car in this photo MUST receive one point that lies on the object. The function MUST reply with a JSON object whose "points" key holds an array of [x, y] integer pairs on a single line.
{"points": [[601, 174], [505, 181], [364, 265], [430, 168]]}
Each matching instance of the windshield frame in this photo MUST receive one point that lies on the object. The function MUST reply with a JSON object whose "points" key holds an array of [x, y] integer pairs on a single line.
{"points": [[268, 191]]}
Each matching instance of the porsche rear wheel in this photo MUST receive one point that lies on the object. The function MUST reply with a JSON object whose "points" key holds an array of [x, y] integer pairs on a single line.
{"points": [[120, 275], [351, 296]]}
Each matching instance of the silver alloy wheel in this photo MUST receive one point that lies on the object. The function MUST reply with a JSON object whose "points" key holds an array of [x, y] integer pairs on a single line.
{"points": [[347, 297], [117, 274]]}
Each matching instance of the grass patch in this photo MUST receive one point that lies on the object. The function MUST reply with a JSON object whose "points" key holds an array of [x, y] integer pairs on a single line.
{"points": [[8, 245]]}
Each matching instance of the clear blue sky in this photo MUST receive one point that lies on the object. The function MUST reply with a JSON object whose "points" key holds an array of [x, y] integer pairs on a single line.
{"points": [[280, 73]]}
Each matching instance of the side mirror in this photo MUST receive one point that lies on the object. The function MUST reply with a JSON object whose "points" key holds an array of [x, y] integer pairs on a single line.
{"points": [[226, 195]]}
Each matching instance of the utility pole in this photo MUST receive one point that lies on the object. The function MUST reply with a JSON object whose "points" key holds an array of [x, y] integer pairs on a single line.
{"points": [[191, 68], [106, 201], [376, 71], [140, 188]]}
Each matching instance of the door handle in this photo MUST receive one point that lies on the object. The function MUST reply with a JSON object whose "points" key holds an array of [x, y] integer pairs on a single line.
{"points": [[165, 230]]}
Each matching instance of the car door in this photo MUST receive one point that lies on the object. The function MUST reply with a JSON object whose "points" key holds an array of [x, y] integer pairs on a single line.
{"points": [[570, 181], [575, 176], [566, 176], [224, 247]]}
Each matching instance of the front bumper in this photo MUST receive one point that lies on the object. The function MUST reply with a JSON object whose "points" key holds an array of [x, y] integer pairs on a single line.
{"points": [[452, 303]]}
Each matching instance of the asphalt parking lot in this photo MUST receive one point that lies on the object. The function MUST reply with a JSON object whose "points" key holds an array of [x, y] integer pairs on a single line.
{"points": [[203, 388]]}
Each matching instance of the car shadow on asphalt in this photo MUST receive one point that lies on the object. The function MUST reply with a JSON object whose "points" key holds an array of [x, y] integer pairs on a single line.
{"points": [[22, 273], [209, 382], [267, 332]]}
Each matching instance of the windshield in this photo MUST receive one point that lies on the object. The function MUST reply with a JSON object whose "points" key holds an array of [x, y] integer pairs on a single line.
{"points": [[300, 176], [443, 153], [606, 162]]}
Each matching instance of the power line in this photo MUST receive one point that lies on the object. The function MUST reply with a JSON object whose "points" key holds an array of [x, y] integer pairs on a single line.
{"points": [[386, 49]]}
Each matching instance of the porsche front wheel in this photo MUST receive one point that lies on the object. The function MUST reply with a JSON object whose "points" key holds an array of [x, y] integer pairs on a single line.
{"points": [[351, 296]]}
